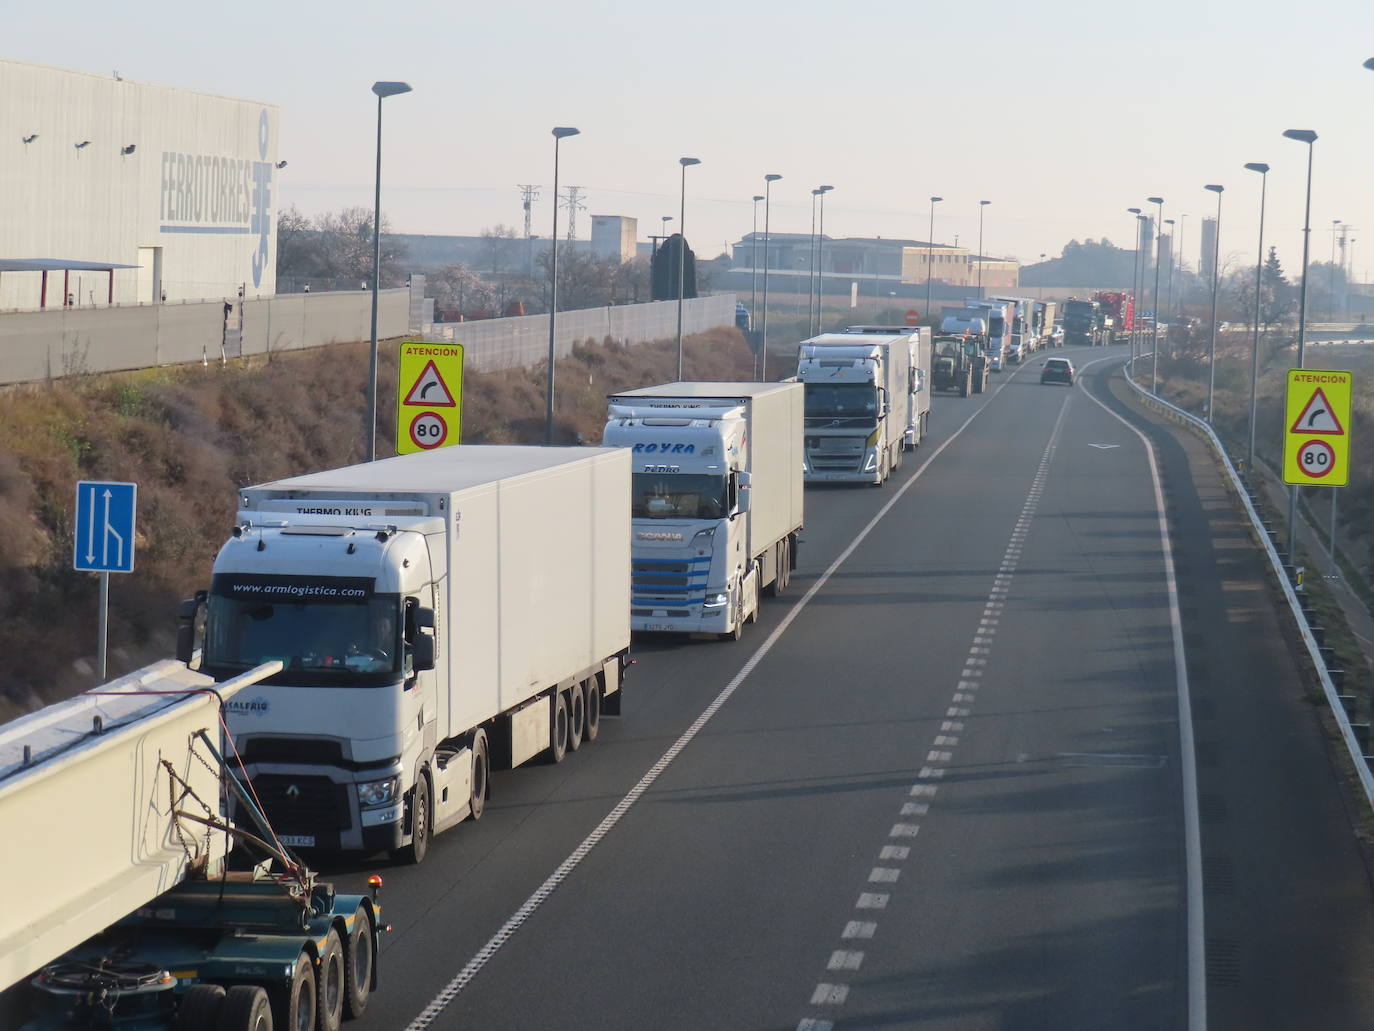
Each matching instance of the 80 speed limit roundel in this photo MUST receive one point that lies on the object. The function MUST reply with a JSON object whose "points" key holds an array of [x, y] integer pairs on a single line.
{"points": [[1316, 458], [428, 430]]}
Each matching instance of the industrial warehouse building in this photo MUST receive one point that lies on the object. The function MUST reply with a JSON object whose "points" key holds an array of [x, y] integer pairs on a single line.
{"points": [[129, 193]]}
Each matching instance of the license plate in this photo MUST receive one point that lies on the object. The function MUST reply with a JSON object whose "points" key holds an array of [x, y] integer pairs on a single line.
{"points": [[297, 840], [659, 626]]}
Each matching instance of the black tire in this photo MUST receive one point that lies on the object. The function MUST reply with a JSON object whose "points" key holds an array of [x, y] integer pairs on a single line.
{"points": [[293, 1009], [591, 722], [329, 1007], [421, 823], [247, 1007], [199, 1007], [980, 380], [358, 960], [558, 747], [577, 718], [964, 383], [779, 583], [481, 775]]}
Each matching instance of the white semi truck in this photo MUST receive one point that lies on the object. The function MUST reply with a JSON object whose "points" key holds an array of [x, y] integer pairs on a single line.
{"points": [[999, 329], [437, 614], [716, 500], [922, 358], [129, 916], [1024, 340]]}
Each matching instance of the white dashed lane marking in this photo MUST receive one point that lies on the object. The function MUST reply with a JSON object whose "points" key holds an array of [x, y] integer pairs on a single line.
{"points": [[941, 752]]}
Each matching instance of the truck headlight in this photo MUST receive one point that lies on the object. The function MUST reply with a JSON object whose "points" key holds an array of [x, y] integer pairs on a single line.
{"points": [[702, 538], [872, 440], [716, 601], [379, 792]]}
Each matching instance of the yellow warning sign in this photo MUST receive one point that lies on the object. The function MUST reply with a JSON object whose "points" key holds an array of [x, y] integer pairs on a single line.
{"points": [[429, 396], [1316, 441]]}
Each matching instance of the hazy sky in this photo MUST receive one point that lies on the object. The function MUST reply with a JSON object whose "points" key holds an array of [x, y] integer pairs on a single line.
{"points": [[1063, 113]]}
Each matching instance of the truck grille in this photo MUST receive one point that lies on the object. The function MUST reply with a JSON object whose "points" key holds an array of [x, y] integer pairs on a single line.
{"points": [[316, 804], [835, 454], [657, 582]]}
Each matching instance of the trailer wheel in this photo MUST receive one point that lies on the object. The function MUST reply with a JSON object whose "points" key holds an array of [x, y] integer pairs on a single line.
{"points": [[481, 775], [294, 1009], [329, 1010], [591, 722], [199, 1008], [558, 747], [784, 558], [358, 965], [577, 722], [246, 1008]]}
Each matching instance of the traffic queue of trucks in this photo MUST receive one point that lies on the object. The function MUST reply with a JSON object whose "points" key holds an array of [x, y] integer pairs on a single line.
{"points": [[373, 642]]}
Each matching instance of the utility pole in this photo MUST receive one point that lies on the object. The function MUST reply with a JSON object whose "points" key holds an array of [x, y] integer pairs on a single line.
{"points": [[574, 205], [528, 195]]}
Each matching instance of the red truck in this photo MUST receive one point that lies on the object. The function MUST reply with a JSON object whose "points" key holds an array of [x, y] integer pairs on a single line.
{"points": [[1119, 308]]}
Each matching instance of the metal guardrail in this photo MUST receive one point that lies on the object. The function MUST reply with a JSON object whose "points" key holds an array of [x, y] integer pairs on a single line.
{"points": [[1352, 743]]}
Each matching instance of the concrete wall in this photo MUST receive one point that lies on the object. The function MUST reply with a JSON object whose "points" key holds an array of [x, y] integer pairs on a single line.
{"points": [[192, 203], [512, 343], [60, 342]]}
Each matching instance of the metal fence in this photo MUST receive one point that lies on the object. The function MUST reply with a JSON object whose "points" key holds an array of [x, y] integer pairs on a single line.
{"points": [[40, 345]]}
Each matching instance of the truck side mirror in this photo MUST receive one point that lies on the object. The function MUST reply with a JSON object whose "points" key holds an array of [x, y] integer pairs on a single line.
{"points": [[422, 652], [187, 614], [742, 500], [424, 618]]}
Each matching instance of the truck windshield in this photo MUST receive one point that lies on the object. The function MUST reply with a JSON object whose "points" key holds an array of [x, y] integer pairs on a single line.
{"points": [[679, 496], [325, 630], [826, 401]]}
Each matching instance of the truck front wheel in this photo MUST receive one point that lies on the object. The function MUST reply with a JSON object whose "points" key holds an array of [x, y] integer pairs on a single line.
{"points": [[421, 820], [481, 775], [246, 1008]]}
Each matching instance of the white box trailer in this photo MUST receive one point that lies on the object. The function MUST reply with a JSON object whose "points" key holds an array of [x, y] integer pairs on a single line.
{"points": [[436, 613], [717, 499]]}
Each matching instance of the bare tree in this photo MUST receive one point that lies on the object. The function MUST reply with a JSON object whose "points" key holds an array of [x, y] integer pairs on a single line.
{"points": [[498, 245]]}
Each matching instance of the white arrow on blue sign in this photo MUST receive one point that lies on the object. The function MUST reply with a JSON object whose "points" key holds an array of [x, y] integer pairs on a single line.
{"points": [[105, 527]]}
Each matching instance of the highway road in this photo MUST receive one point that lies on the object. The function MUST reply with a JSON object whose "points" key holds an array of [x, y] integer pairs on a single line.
{"points": [[948, 781]]}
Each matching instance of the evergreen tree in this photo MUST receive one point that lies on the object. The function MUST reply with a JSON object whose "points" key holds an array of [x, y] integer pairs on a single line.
{"points": [[1276, 295]]}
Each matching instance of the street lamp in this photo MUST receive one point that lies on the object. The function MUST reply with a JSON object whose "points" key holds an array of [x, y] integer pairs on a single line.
{"points": [[754, 260], [768, 181], [559, 134], [1158, 202], [930, 249], [1216, 277], [820, 260], [382, 89], [1169, 301], [1331, 288], [663, 230], [982, 206], [1309, 137], [682, 253], [811, 277], [1135, 278], [1263, 170]]}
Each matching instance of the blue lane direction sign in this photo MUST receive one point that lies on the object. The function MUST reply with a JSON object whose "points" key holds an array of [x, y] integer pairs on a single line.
{"points": [[104, 527]]}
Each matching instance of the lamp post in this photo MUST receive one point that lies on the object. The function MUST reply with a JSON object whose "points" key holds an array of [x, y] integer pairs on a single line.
{"points": [[682, 253], [768, 181], [1263, 170], [663, 229], [1331, 287], [811, 272], [1309, 137], [1135, 277], [820, 260], [1216, 278], [930, 249], [982, 206], [559, 134], [382, 89], [1169, 289], [754, 255], [1158, 202]]}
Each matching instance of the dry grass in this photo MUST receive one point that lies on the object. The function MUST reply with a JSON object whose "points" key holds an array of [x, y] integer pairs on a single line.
{"points": [[191, 436]]}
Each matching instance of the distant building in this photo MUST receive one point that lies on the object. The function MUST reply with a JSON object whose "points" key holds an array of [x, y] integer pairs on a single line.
{"points": [[613, 237], [1209, 245], [873, 260], [175, 190]]}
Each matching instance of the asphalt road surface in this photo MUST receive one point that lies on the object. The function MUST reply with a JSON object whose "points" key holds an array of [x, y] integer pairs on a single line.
{"points": [[947, 781]]}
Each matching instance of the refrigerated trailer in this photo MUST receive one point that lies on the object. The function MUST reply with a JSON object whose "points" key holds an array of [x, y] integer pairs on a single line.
{"points": [[717, 500], [437, 614]]}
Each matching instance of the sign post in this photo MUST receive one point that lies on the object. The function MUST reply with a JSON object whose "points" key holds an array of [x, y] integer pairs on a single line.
{"points": [[1316, 440], [104, 541], [429, 397], [913, 317]]}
